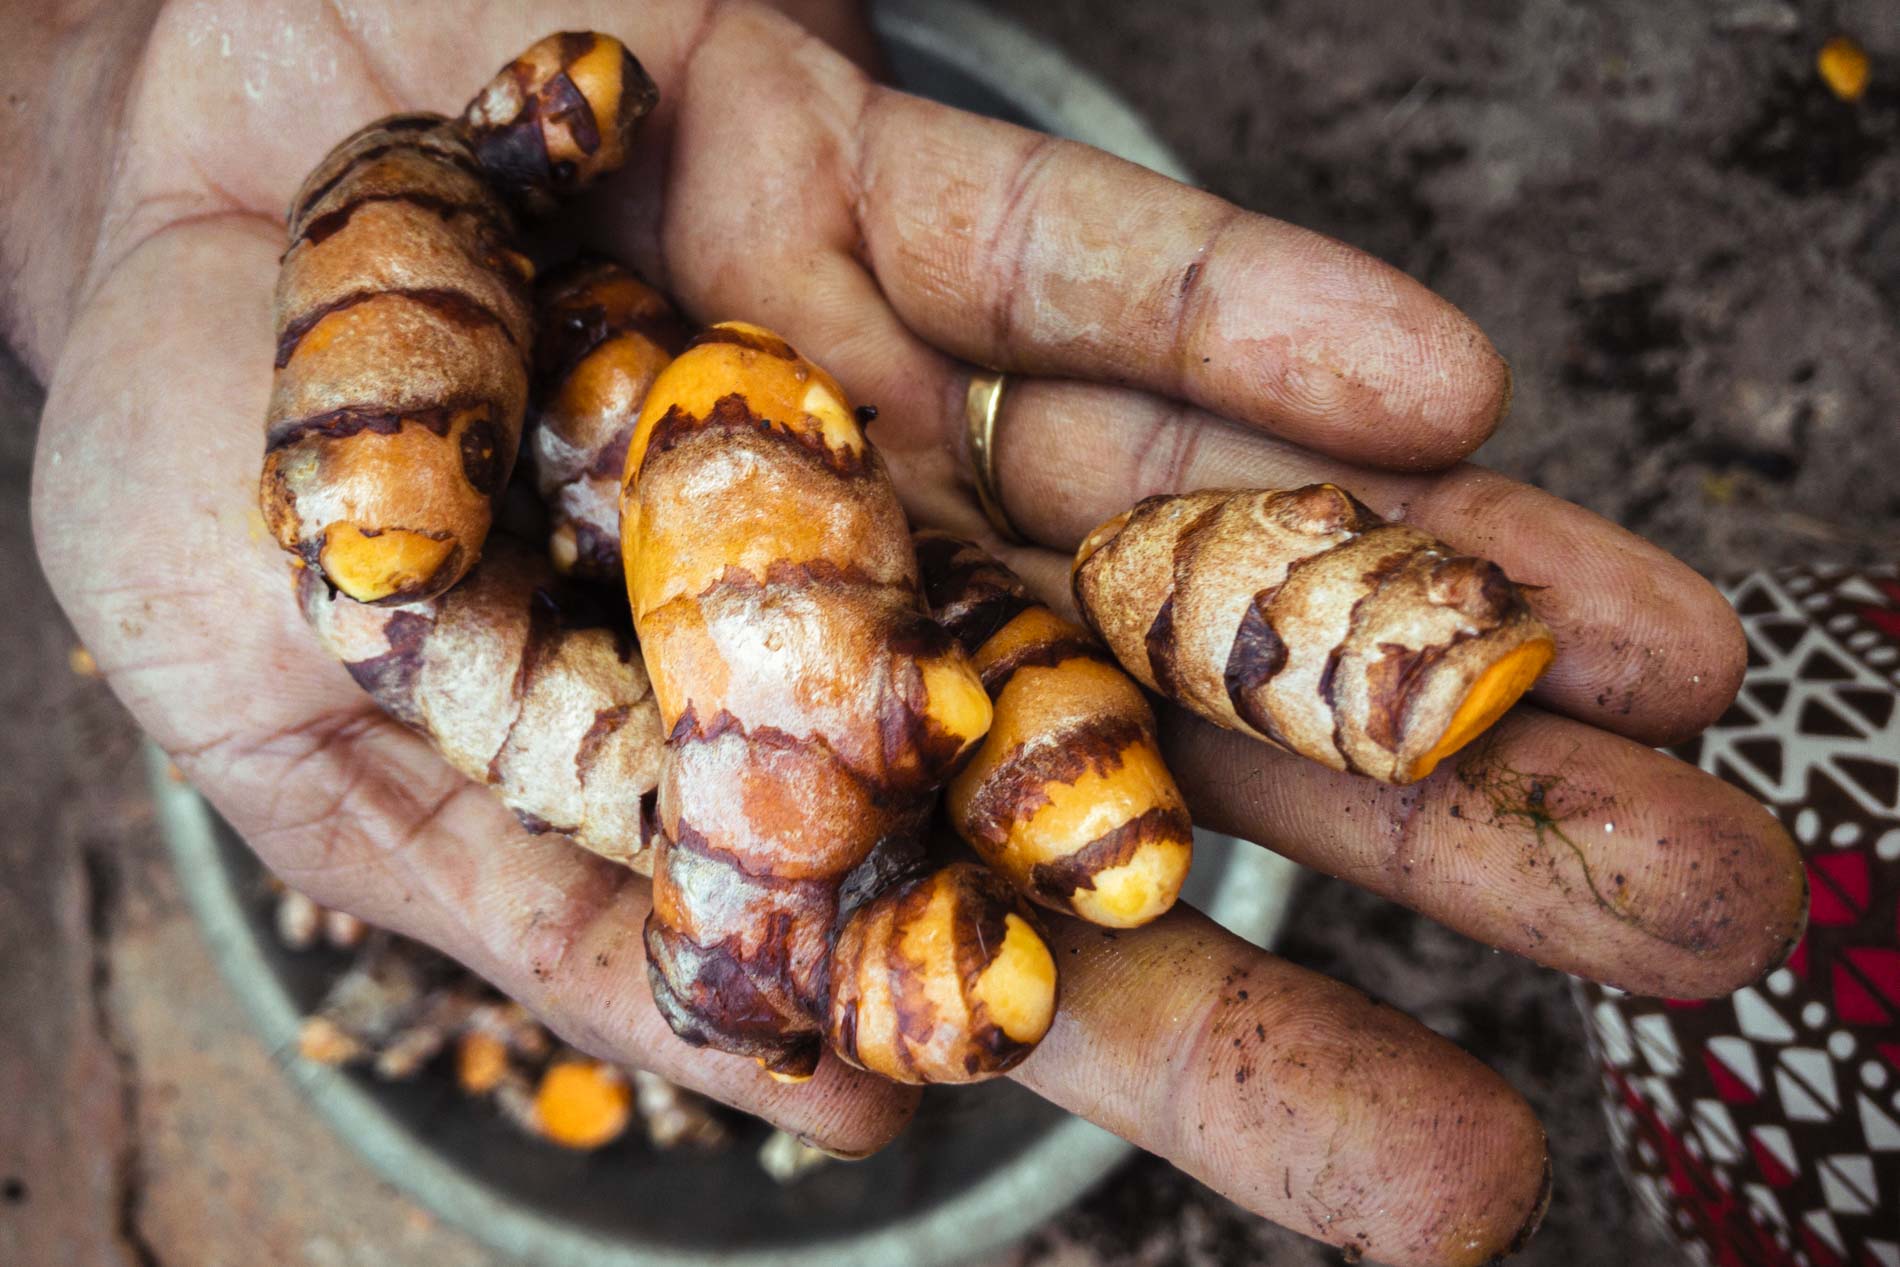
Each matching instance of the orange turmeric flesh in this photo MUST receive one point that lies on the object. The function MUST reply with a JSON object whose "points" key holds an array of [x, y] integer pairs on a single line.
{"points": [[1491, 697]]}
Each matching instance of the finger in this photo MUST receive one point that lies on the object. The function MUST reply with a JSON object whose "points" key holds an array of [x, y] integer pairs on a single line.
{"points": [[156, 550], [787, 261], [1551, 839], [1022, 252], [1646, 647], [1292, 1094], [843, 24]]}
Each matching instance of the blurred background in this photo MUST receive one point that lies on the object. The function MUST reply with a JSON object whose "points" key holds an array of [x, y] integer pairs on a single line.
{"points": [[1678, 219]]}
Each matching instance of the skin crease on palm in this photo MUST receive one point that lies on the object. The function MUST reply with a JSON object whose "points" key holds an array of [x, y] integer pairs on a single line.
{"points": [[1165, 340]]}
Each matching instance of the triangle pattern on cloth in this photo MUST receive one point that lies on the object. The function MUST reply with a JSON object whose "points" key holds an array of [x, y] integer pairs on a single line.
{"points": [[1840, 887], [1733, 1069], [1867, 985], [1774, 1155], [1882, 1132], [1758, 1020], [1820, 718], [1874, 707], [1772, 696], [1880, 780]]}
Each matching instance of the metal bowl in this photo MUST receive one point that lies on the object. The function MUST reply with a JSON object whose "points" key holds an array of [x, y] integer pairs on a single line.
{"points": [[980, 1167]]}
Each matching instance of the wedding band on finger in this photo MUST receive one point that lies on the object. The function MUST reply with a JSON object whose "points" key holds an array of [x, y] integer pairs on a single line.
{"points": [[983, 405]]}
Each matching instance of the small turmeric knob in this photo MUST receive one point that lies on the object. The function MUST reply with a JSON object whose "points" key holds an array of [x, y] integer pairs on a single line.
{"points": [[558, 116], [943, 979]]}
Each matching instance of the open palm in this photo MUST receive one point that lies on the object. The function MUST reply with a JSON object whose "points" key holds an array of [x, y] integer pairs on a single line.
{"points": [[1164, 340]]}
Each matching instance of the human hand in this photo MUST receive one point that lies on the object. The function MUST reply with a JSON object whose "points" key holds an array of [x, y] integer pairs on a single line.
{"points": [[895, 242]]}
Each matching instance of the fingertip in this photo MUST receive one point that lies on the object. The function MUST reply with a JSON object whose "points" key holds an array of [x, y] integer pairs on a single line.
{"points": [[1676, 670], [1386, 373], [1540, 1201], [1717, 659], [1466, 388], [1763, 895], [1493, 1157]]}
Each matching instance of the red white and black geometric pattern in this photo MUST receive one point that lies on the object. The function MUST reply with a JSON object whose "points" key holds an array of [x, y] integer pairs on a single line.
{"points": [[1764, 1128]]}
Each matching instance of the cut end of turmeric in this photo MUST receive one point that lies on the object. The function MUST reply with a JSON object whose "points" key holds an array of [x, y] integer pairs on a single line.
{"points": [[1101, 536], [1137, 891], [372, 566], [1491, 696], [1018, 987], [955, 700], [1844, 67], [583, 1104]]}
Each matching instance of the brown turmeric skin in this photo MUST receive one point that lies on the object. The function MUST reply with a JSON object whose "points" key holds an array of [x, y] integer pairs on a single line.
{"points": [[604, 336], [521, 683], [1302, 618], [403, 323], [811, 710], [1068, 797]]}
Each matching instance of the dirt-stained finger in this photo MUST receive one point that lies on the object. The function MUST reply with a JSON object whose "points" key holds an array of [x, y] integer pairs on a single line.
{"points": [[1023, 252], [1557, 841], [1295, 1095]]}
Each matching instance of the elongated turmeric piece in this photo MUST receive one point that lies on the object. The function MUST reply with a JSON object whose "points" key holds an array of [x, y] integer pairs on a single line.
{"points": [[522, 683], [1302, 618], [403, 323], [1068, 797], [811, 707], [604, 336]]}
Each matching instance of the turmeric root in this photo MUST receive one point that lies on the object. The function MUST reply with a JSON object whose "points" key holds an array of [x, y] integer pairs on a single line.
{"points": [[1302, 618], [944, 978], [403, 322], [559, 117], [604, 336], [1068, 797], [522, 684], [811, 709]]}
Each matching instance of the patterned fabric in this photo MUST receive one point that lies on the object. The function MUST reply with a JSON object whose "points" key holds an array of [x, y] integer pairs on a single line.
{"points": [[1764, 1128]]}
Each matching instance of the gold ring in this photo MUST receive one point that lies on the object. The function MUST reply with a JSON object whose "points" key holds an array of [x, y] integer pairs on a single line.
{"points": [[982, 405]]}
